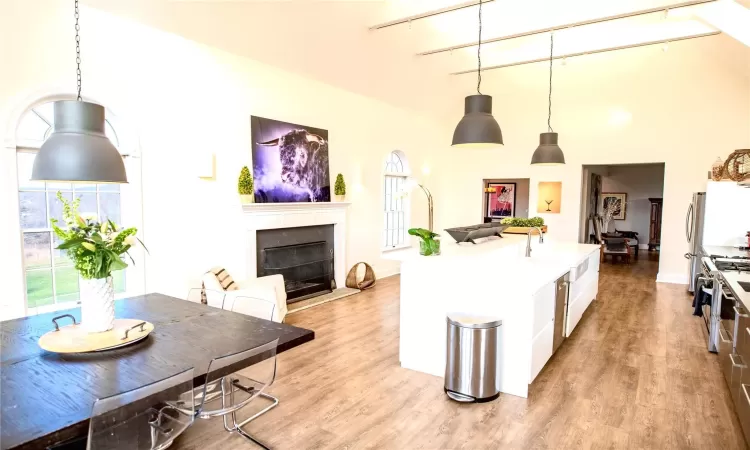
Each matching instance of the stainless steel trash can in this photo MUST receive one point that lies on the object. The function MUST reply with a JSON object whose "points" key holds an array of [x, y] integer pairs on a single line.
{"points": [[471, 360]]}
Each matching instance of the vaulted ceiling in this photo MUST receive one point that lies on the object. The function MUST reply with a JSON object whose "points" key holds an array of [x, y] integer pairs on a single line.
{"points": [[332, 41]]}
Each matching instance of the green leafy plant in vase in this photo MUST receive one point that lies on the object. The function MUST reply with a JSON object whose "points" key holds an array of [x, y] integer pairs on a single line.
{"points": [[245, 186], [428, 245], [339, 188], [96, 250]]}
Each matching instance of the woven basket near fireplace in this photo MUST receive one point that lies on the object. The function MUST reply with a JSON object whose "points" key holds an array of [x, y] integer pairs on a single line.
{"points": [[737, 166], [367, 281]]}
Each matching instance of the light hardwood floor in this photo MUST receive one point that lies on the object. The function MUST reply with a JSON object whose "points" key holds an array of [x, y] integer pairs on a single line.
{"points": [[635, 374]]}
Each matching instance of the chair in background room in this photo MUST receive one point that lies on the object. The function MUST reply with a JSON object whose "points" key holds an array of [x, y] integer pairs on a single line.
{"points": [[631, 238], [146, 418], [225, 393], [269, 288], [612, 246]]}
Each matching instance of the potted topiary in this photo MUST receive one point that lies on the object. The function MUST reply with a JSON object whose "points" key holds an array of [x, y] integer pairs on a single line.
{"points": [[428, 245], [339, 188], [245, 186]]}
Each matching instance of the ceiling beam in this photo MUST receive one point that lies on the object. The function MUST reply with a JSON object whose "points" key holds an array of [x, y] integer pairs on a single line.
{"points": [[567, 26], [591, 52], [427, 14]]}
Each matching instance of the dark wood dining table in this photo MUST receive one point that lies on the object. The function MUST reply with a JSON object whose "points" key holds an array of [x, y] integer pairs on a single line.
{"points": [[47, 398]]}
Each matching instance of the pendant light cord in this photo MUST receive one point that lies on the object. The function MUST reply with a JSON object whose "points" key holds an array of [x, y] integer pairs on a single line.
{"points": [[549, 111], [78, 52], [479, 51]]}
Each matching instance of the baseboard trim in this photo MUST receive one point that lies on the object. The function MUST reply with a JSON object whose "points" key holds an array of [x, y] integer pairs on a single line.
{"points": [[388, 273], [672, 278]]}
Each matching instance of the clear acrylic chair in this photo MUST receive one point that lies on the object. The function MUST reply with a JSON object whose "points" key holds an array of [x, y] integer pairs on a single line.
{"points": [[143, 418], [213, 298], [225, 392]]}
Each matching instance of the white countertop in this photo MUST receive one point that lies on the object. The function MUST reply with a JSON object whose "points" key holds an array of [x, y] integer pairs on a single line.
{"points": [[506, 255], [732, 279]]}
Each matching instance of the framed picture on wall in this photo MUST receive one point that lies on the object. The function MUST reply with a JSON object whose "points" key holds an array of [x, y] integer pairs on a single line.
{"points": [[619, 199], [501, 202]]}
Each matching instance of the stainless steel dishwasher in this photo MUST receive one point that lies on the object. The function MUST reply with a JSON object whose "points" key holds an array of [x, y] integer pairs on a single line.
{"points": [[561, 311]]}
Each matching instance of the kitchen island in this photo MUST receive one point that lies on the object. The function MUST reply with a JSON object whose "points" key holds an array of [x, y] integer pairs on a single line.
{"points": [[494, 279]]}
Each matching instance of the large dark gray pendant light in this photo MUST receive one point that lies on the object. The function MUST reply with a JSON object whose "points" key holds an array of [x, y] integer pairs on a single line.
{"points": [[478, 128], [78, 150], [548, 153]]}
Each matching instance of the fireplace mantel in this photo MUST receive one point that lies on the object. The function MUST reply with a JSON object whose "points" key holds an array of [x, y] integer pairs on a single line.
{"points": [[304, 207], [268, 216]]}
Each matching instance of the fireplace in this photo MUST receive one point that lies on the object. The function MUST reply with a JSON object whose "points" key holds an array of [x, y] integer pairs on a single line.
{"points": [[303, 255]]}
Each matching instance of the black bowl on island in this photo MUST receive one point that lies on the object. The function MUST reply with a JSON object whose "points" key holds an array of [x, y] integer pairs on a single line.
{"points": [[473, 232]]}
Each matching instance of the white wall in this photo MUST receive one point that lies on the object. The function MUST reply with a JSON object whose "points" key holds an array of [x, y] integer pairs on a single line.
{"points": [[184, 100], [631, 106], [640, 182]]}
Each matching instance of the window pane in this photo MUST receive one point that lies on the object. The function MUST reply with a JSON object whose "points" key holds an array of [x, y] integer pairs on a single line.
{"points": [[39, 287], [32, 209], [36, 250], [31, 128], [88, 204], [84, 187], [25, 163], [118, 278], [54, 187], [56, 207], [109, 205], [66, 284], [109, 187], [60, 256]]}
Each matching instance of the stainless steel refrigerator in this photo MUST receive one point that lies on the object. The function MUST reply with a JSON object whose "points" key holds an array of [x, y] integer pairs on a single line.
{"points": [[694, 222]]}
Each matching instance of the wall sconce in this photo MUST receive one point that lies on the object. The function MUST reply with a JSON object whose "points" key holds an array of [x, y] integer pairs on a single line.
{"points": [[205, 166], [550, 195]]}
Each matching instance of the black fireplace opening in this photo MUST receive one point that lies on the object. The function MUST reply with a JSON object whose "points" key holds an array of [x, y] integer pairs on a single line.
{"points": [[303, 255]]}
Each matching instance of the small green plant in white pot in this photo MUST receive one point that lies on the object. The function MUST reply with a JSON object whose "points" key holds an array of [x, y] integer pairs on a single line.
{"points": [[245, 186], [339, 188]]}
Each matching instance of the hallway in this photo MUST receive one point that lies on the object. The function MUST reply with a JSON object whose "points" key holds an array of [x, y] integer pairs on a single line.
{"points": [[634, 374]]}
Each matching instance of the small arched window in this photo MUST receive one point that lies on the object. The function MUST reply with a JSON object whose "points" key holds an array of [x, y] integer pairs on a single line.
{"points": [[395, 201], [51, 279]]}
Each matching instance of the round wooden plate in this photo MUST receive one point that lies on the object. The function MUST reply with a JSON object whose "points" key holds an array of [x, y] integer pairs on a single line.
{"points": [[74, 339]]}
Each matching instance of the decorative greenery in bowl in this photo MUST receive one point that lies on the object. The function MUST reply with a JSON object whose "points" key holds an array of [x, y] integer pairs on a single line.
{"points": [[522, 222], [428, 245]]}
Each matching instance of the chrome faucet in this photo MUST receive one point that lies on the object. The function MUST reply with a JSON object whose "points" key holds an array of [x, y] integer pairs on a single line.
{"points": [[528, 240]]}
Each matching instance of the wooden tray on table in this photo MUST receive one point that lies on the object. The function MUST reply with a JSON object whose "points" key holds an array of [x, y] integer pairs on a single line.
{"points": [[74, 339]]}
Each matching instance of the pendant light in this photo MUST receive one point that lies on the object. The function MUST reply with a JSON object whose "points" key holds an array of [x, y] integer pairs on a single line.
{"points": [[478, 128], [548, 153], [78, 150]]}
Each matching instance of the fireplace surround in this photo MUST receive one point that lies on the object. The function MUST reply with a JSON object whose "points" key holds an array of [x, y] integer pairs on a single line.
{"points": [[276, 216]]}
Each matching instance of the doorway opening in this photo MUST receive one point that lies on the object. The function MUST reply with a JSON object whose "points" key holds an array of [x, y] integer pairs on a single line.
{"points": [[621, 208]]}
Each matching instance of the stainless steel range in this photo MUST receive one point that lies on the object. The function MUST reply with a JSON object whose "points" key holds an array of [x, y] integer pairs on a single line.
{"points": [[722, 313]]}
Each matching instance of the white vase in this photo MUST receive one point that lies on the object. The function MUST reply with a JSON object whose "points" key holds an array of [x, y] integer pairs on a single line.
{"points": [[97, 304], [246, 199], [340, 198]]}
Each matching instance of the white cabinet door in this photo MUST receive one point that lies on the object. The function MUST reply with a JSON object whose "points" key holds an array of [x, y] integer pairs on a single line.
{"points": [[577, 306], [541, 349], [544, 308]]}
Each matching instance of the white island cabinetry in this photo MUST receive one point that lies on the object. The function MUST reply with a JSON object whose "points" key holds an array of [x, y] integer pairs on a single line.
{"points": [[490, 279]]}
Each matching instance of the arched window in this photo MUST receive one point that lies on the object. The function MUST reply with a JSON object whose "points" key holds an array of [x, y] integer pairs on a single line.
{"points": [[51, 279], [395, 201]]}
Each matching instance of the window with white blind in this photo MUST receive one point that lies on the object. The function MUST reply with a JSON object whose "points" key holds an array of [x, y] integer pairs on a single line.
{"points": [[395, 201], [51, 279]]}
